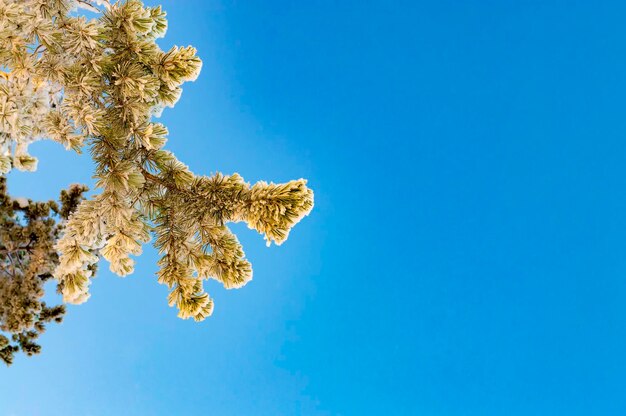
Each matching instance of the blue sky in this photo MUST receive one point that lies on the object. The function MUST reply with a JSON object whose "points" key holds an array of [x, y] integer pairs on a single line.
{"points": [[467, 251]]}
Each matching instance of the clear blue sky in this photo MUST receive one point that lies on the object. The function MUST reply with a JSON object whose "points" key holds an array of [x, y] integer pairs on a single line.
{"points": [[467, 251]]}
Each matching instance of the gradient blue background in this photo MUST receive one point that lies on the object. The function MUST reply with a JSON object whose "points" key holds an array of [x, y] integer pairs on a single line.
{"points": [[467, 251]]}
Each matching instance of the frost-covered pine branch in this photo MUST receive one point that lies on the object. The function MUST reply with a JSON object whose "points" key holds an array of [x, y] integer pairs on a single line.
{"points": [[97, 84]]}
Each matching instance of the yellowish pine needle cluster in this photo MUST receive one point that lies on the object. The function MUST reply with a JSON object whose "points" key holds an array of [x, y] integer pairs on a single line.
{"points": [[97, 84]]}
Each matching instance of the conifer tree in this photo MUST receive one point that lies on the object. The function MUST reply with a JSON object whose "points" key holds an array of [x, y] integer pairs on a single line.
{"points": [[28, 232], [97, 84]]}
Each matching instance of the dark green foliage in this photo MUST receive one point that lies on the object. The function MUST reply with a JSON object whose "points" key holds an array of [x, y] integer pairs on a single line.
{"points": [[28, 231]]}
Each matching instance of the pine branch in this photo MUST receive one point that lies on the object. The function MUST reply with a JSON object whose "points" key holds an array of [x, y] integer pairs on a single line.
{"points": [[97, 84]]}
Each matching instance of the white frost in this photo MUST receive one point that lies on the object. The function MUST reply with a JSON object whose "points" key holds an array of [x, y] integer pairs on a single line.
{"points": [[22, 202]]}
